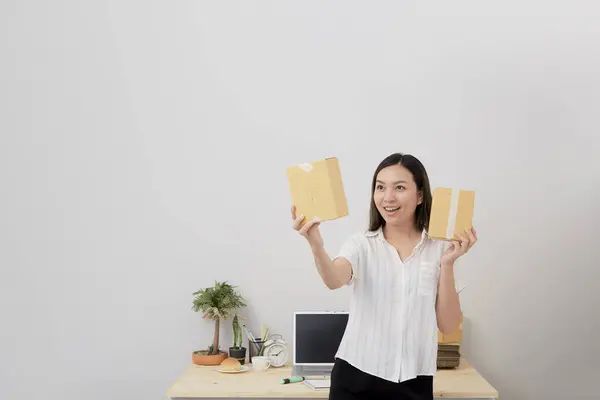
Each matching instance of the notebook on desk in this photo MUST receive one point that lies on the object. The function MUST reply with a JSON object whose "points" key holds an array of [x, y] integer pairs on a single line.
{"points": [[318, 384]]}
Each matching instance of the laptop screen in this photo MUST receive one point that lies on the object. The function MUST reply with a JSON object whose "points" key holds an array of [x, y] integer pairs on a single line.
{"points": [[317, 336]]}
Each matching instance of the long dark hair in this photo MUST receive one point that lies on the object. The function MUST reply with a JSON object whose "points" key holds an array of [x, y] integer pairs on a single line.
{"points": [[421, 179]]}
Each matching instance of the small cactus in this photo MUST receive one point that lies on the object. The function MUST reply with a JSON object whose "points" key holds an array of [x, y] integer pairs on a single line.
{"points": [[237, 333]]}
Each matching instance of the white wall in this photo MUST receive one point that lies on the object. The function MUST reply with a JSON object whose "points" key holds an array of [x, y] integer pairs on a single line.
{"points": [[143, 154]]}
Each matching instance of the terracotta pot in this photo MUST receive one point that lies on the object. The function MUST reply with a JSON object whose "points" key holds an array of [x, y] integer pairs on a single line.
{"points": [[201, 358]]}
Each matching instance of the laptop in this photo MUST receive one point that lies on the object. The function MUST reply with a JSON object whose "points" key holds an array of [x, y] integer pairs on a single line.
{"points": [[317, 336]]}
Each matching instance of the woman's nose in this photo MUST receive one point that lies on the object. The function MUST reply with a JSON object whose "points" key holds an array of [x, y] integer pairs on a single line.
{"points": [[389, 195]]}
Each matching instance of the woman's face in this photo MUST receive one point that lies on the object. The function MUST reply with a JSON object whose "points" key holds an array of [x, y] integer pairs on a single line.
{"points": [[396, 196]]}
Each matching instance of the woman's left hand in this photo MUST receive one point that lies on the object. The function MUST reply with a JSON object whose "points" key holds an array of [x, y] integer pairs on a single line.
{"points": [[459, 247]]}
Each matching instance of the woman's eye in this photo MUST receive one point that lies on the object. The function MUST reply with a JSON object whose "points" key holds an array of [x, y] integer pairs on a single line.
{"points": [[400, 188], [379, 187]]}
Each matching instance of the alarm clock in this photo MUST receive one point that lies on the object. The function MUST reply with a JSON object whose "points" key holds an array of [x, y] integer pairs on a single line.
{"points": [[276, 350]]}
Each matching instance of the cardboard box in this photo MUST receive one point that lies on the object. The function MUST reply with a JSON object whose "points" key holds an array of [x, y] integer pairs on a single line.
{"points": [[452, 337], [317, 190], [451, 212]]}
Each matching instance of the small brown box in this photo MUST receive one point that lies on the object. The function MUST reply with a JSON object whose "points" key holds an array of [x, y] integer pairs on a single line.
{"points": [[451, 213], [317, 190]]}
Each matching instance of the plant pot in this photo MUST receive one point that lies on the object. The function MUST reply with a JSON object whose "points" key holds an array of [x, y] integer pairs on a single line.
{"points": [[201, 357], [239, 353]]}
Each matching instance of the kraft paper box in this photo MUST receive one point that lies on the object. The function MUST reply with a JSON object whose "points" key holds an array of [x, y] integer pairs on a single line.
{"points": [[451, 213], [452, 337], [317, 190]]}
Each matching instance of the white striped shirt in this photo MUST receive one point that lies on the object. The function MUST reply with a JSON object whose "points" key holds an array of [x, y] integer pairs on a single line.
{"points": [[392, 329]]}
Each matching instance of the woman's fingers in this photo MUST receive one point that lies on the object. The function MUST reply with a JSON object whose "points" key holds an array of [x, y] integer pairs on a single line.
{"points": [[472, 238], [464, 243], [453, 246], [297, 222], [304, 230]]}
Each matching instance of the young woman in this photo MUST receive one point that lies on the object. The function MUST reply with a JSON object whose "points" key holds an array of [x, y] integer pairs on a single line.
{"points": [[403, 288]]}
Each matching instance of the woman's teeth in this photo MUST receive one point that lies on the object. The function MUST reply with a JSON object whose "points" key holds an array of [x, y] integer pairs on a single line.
{"points": [[391, 208]]}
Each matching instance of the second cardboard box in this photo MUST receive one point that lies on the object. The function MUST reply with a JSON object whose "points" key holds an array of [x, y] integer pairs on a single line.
{"points": [[451, 213]]}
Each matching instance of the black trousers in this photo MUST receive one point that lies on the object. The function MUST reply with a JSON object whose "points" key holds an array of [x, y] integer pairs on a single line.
{"points": [[350, 383]]}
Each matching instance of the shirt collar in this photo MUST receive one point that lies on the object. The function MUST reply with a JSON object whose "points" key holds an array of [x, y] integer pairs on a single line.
{"points": [[379, 233], [374, 233]]}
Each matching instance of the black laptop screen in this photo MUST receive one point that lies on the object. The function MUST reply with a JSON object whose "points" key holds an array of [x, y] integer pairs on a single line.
{"points": [[318, 337]]}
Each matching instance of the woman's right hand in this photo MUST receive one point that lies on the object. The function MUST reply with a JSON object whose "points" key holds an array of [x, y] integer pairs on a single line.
{"points": [[310, 230]]}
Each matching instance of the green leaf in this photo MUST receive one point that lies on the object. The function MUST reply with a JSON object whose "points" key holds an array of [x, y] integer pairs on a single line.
{"points": [[218, 302]]}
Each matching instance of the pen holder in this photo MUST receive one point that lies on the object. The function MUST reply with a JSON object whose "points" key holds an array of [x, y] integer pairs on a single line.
{"points": [[255, 348]]}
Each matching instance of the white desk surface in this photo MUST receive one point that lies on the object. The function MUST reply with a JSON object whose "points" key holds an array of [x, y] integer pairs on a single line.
{"points": [[204, 382]]}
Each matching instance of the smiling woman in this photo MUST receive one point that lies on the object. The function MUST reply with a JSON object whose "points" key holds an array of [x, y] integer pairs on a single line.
{"points": [[403, 288], [400, 183]]}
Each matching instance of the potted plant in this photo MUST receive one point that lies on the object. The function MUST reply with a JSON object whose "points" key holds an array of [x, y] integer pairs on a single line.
{"points": [[216, 303], [237, 350]]}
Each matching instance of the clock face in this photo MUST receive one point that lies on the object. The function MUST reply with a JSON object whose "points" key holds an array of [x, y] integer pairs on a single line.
{"points": [[277, 354]]}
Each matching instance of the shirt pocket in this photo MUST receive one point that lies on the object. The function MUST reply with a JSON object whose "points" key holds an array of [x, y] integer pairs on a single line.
{"points": [[428, 279]]}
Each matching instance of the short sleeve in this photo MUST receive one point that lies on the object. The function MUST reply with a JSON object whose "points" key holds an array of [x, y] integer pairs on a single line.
{"points": [[350, 250]]}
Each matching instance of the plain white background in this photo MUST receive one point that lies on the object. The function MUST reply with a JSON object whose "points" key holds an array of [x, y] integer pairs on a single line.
{"points": [[143, 155]]}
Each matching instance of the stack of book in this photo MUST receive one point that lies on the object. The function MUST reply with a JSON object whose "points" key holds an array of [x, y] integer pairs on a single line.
{"points": [[448, 355]]}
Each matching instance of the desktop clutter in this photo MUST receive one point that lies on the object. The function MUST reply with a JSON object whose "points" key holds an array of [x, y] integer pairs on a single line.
{"points": [[217, 304]]}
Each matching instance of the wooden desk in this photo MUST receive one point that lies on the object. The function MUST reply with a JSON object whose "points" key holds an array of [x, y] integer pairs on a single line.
{"points": [[206, 383]]}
